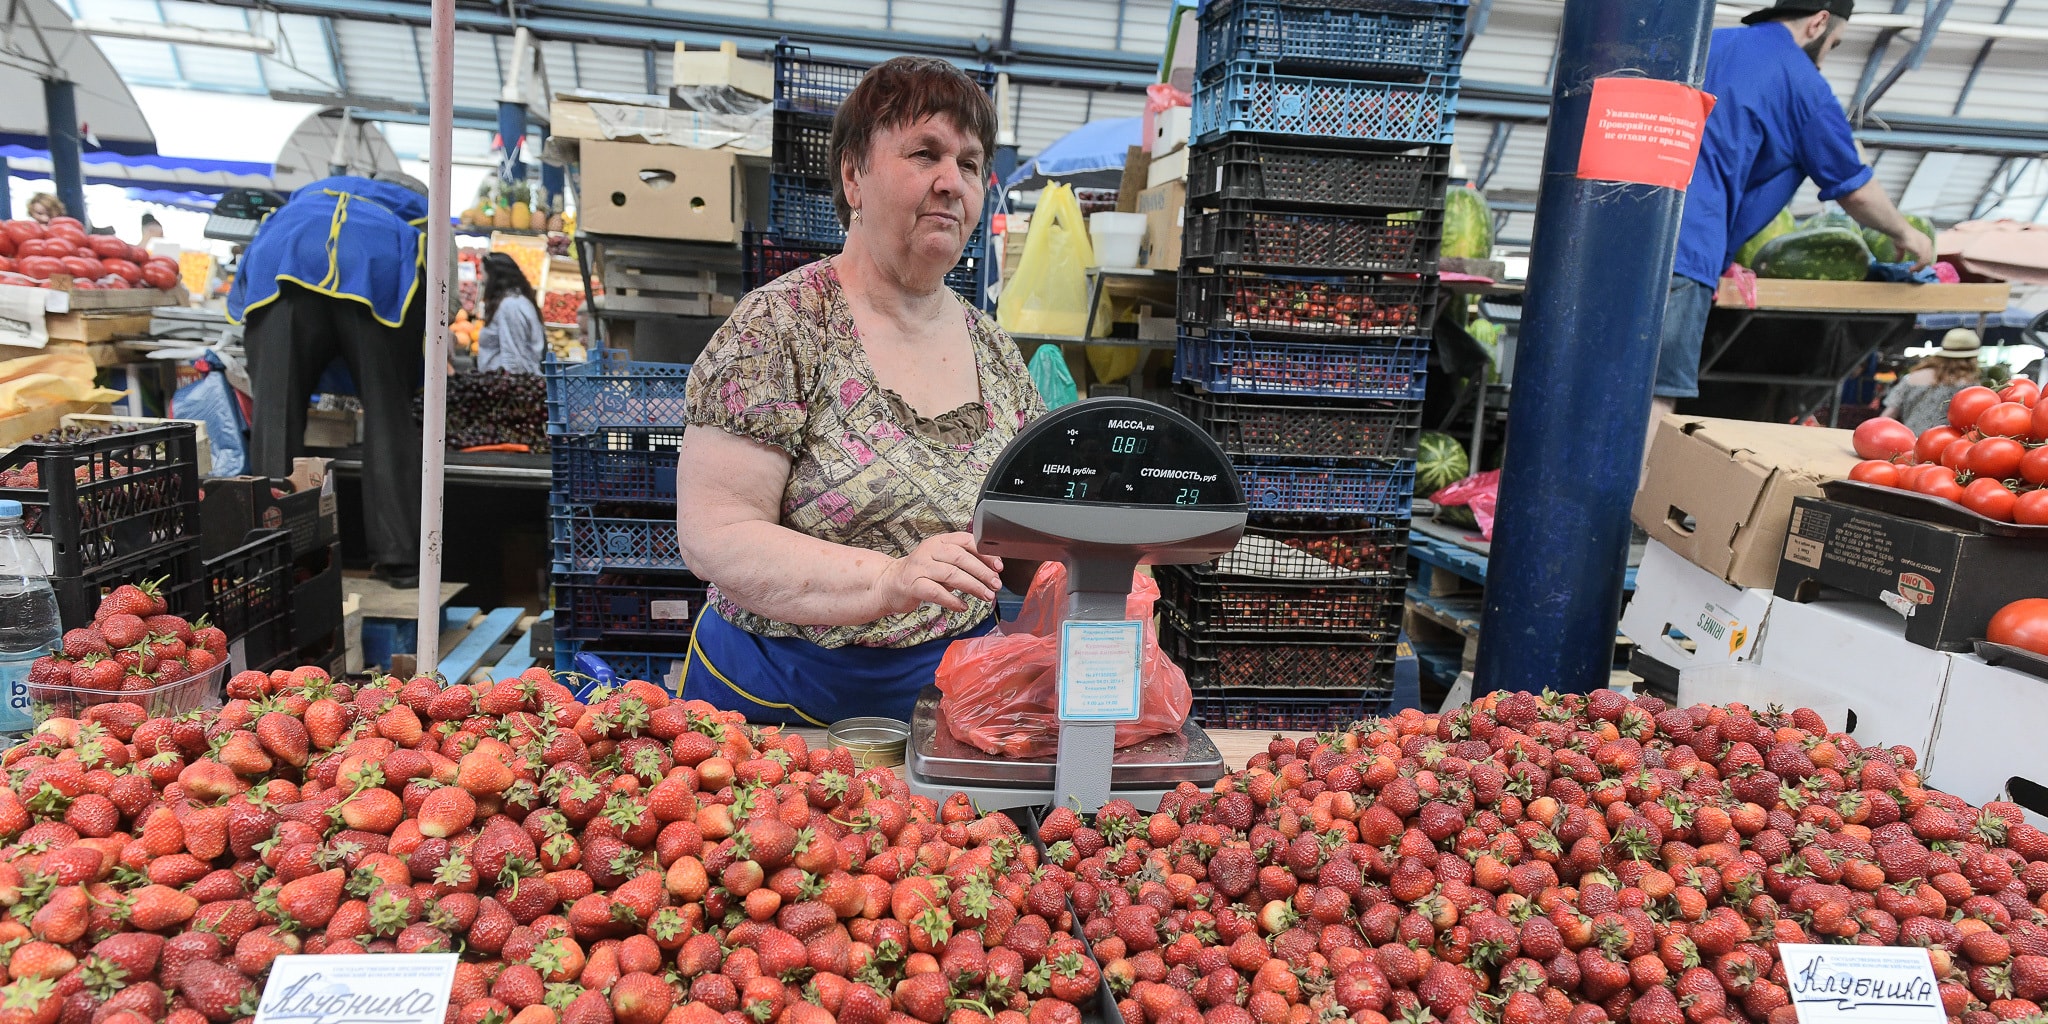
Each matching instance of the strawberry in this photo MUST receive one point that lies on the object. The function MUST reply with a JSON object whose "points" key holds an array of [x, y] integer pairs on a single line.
{"points": [[312, 901], [641, 998], [219, 992], [923, 996], [79, 644]]}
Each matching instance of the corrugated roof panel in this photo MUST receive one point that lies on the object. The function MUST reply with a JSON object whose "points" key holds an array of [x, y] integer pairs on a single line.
{"points": [[141, 62], [856, 13], [559, 58], [1078, 23], [1145, 26], [964, 18], [729, 8], [479, 75], [302, 62], [619, 69], [382, 60], [1517, 46], [1045, 113], [1962, 187]]}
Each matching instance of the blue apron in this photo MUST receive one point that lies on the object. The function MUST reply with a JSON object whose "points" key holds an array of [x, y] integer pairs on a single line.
{"points": [[796, 682]]}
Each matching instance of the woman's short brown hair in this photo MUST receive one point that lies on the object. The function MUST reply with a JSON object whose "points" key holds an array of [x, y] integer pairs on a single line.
{"points": [[899, 92]]}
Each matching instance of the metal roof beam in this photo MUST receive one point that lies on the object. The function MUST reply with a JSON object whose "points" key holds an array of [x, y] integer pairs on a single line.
{"points": [[1930, 26], [1977, 66]]}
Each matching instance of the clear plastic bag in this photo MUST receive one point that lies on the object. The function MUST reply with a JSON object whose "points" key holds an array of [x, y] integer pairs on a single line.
{"points": [[1000, 691]]}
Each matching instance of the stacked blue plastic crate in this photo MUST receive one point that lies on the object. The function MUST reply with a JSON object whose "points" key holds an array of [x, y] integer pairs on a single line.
{"points": [[802, 225], [1316, 181], [621, 590]]}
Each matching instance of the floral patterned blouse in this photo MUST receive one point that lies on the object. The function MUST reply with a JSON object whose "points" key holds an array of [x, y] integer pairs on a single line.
{"points": [[787, 369]]}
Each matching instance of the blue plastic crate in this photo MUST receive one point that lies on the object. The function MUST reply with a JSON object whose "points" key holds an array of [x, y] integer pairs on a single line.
{"points": [[636, 465], [801, 208], [648, 666], [597, 606], [1250, 96], [1345, 37], [611, 390], [1339, 492], [1234, 362], [587, 542]]}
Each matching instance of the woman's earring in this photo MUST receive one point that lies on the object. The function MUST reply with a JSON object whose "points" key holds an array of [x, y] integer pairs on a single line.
{"points": [[856, 216]]}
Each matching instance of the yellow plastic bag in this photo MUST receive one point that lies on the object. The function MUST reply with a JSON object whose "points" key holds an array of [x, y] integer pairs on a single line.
{"points": [[1049, 294]]}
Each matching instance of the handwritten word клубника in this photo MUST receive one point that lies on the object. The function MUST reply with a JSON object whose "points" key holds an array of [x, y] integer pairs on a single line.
{"points": [[1825, 981], [314, 999]]}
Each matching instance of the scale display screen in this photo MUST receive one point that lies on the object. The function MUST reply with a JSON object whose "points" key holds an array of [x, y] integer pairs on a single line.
{"points": [[1116, 451]]}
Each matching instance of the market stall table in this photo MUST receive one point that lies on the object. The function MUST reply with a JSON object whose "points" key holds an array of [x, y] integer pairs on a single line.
{"points": [[1236, 745]]}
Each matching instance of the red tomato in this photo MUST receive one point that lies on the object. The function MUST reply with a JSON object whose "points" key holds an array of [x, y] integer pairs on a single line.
{"points": [[2021, 390], [22, 230], [68, 222], [2034, 466], [128, 272], [75, 236], [1957, 455], [138, 255], [81, 266], [2031, 509], [160, 275], [1989, 498], [1968, 404], [7, 263], [6, 244], [40, 267], [1933, 442], [1997, 458], [82, 284], [1940, 485], [30, 247], [1879, 472], [2006, 419], [104, 246], [2039, 430], [1882, 438], [2023, 624]]}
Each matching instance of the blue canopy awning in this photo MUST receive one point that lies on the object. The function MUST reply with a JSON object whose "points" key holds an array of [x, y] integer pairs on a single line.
{"points": [[2013, 317], [1095, 146], [173, 173]]}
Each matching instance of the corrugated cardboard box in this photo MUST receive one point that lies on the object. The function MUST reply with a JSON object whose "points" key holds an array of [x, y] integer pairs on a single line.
{"points": [[674, 192], [1686, 617], [1719, 492], [1165, 210], [722, 66], [631, 117]]}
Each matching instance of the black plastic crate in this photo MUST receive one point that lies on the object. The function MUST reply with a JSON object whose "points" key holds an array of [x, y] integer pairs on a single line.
{"points": [[636, 465], [807, 83], [1315, 548], [607, 606], [1233, 708], [769, 257], [1251, 169], [1338, 37], [1238, 235], [1363, 611], [1323, 430], [803, 145], [122, 497], [249, 595], [1235, 362], [1230, 298], [1359, 671], [178, 566]]}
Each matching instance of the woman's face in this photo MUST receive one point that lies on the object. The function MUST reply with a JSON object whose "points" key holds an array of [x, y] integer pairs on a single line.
{"points": [[921, 194]]}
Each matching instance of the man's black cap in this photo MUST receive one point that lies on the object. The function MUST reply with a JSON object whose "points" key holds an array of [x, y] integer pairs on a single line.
{"points": [[1788, 8]]}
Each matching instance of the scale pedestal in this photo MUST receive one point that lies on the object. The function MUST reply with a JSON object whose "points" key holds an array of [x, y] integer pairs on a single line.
{"points": [[938, 765]]}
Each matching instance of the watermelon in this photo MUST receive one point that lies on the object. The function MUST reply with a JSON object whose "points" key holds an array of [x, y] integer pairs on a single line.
{"points": [[1468, 224], [1830, 219], [1782, 224], [1815, 254], [1440, 461], [1884, 250]]}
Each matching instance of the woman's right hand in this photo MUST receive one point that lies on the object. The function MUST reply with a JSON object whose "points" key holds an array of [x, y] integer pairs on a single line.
{"points": [[938, 572]]}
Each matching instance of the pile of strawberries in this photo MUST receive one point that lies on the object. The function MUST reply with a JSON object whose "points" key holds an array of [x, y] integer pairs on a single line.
{"points": [[132, 646], [1552, 860], [634, 860]]}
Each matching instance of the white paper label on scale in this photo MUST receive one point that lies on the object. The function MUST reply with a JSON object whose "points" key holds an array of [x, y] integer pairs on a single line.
{"points": [[1099, 664], [394, 988], [1861, 984]]}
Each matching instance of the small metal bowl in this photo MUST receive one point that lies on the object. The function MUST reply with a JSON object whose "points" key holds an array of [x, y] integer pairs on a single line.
{"points": [[873, 741]]}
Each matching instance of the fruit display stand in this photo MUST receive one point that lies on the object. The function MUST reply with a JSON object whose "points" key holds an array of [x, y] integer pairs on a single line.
{"points": [[1781, 351]]}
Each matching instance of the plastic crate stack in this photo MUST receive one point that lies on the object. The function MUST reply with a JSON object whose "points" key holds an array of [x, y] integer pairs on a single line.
{"points": [[621, 591], [1321, 150], [802, 224]]}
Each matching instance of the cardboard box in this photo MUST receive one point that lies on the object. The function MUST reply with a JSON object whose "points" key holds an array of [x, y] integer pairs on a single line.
{"points": [[352, 633], [1944, 582], [1686, 617], [1171, 167], [1719, 492], [1169, 130], [1843, 660], [582, 118], [1166, 213], [235, 505], [332, 428], [673, 192], [1987, 743], [722, 66]]}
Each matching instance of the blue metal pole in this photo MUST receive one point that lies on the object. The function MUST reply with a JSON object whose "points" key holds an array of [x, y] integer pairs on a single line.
{"points": [[60, 109], [512, 134], [6, 194], [1600, 266]]}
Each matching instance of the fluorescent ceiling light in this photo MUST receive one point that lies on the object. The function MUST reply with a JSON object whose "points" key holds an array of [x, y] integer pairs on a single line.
{"points": [[163, 32]]}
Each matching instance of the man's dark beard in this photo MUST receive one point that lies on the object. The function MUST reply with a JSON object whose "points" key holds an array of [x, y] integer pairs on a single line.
{"points": [[1815, 49]]}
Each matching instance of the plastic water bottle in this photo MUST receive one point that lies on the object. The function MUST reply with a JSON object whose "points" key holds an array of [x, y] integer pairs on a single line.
{"points": [[29, 626]]}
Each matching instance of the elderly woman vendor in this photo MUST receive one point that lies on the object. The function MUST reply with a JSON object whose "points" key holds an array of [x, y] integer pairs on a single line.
{"points": [[841, 423]]}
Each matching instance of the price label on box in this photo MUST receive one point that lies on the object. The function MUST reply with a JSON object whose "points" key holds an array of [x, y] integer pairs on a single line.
{"points": [[1099, 666], [395, 988], [1861, 984]]}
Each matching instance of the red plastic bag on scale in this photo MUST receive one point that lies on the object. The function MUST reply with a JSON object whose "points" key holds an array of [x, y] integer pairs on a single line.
{"points": [[1000, 691]]}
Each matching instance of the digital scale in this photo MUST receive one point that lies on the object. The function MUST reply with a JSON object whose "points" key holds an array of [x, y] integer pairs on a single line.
{"points": [[240, 212], [1103, 486]]}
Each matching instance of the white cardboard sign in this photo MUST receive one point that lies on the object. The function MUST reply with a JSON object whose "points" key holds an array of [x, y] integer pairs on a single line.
{"points": [[1861, 984], [393, 988], [1099, 667]]}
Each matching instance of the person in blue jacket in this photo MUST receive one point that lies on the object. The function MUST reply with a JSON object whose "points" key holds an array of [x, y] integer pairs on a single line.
{"points": [[1775, 123], [337, 272]]}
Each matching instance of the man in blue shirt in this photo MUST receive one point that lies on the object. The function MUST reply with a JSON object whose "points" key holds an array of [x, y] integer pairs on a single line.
{"points": [[1775, 123]]}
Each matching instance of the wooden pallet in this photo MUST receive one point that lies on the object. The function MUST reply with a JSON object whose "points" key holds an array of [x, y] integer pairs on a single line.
{"points": [[479, 644], [671, 278]]}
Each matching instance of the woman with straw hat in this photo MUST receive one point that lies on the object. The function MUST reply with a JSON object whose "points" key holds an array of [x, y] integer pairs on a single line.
{"points": [[1920, 398]]}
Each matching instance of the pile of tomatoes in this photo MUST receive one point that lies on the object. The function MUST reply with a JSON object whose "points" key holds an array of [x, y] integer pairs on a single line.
{"points": [[1991, 457], [31, 253]]}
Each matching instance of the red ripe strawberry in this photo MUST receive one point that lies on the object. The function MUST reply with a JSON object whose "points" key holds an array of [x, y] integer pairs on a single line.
{"points": [[79, 643], [219, 992]]}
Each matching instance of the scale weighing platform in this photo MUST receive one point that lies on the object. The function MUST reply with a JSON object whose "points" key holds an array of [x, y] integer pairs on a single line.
{"points": [[1103, 486]]}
